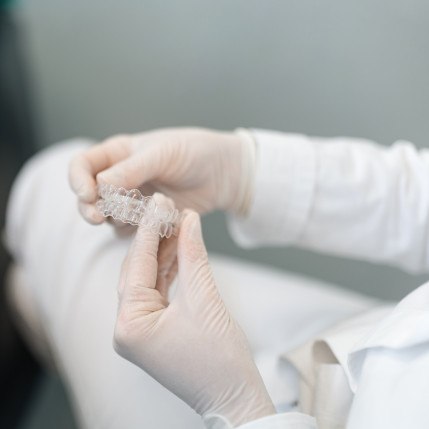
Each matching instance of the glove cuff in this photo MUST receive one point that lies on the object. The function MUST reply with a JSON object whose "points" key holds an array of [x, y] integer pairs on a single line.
{"points": [[216, 421], [291, 420], [247, 179]]}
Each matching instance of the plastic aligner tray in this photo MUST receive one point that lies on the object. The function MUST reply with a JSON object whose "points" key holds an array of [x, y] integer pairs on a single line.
{"points": [[134, 208]]}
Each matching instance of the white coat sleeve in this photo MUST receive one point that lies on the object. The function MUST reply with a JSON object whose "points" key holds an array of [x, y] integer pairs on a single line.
{"points": [[340, 196]]}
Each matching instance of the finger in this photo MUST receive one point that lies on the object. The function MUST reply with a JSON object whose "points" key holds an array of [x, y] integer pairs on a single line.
{"points": [[138, 296], [148, 164], [123, 230], [90, 213], [167, 265], [167, 251], [191, 245], [142, 267], [142, 261], [85, 166]]}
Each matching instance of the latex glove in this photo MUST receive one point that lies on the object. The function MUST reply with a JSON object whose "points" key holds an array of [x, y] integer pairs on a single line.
{"points": [[191, 345], [200, 169]]}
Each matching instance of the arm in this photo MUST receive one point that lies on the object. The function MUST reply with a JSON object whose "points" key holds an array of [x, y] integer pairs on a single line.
{"points": [[340, 196]]}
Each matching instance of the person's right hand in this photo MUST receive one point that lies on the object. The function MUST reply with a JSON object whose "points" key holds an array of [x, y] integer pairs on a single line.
{"points": [[188, 341], [200, 169]]}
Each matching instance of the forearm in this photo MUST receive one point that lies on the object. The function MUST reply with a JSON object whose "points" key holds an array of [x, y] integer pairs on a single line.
{"points": [[340, 196]]}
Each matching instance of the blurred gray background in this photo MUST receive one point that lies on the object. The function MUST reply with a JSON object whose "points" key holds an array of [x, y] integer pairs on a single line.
{"points": [[325, 68], [319, 67]]}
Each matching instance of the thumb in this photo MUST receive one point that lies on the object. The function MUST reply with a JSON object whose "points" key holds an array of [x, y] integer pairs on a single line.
{"points": [[139, 272], [138, 297], [138, 169]]}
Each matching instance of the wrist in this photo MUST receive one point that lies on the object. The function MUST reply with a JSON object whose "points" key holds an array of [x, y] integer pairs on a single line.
{"points": [[239, 418], [246, 404], [255, 408], [240, 168]]}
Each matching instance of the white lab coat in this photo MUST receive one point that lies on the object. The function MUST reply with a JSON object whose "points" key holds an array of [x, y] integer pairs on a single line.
{"points": [[356, 199], [341, 197]]}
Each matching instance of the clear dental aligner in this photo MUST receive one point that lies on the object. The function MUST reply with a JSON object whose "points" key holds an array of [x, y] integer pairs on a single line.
{"points": [[134, 208]]}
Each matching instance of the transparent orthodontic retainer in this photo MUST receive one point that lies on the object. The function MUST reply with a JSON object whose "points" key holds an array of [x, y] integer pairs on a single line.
{"points": [[134, 208]]}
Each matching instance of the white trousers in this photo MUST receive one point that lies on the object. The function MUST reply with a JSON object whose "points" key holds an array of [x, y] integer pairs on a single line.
{"points": [[65, 292]]}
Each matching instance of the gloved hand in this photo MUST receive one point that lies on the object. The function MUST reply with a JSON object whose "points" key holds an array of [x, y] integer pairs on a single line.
{"points": [[200, 169], [191, 345]]}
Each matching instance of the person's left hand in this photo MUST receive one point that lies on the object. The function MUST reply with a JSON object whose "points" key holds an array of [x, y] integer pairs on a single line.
{"points": [[191, 345]]}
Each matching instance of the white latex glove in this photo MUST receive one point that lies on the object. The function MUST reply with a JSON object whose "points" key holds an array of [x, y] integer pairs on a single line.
{"points": [[200, 169], [191, 345]]}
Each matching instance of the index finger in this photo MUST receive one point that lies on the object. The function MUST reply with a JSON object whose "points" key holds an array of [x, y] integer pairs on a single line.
{"points": [[142, 263], [137, 294], [85, 166], [141, 270]]}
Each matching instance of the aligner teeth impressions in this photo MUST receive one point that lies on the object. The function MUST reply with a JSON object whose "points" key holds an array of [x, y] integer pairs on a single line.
{"points": [[134, 208]]}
